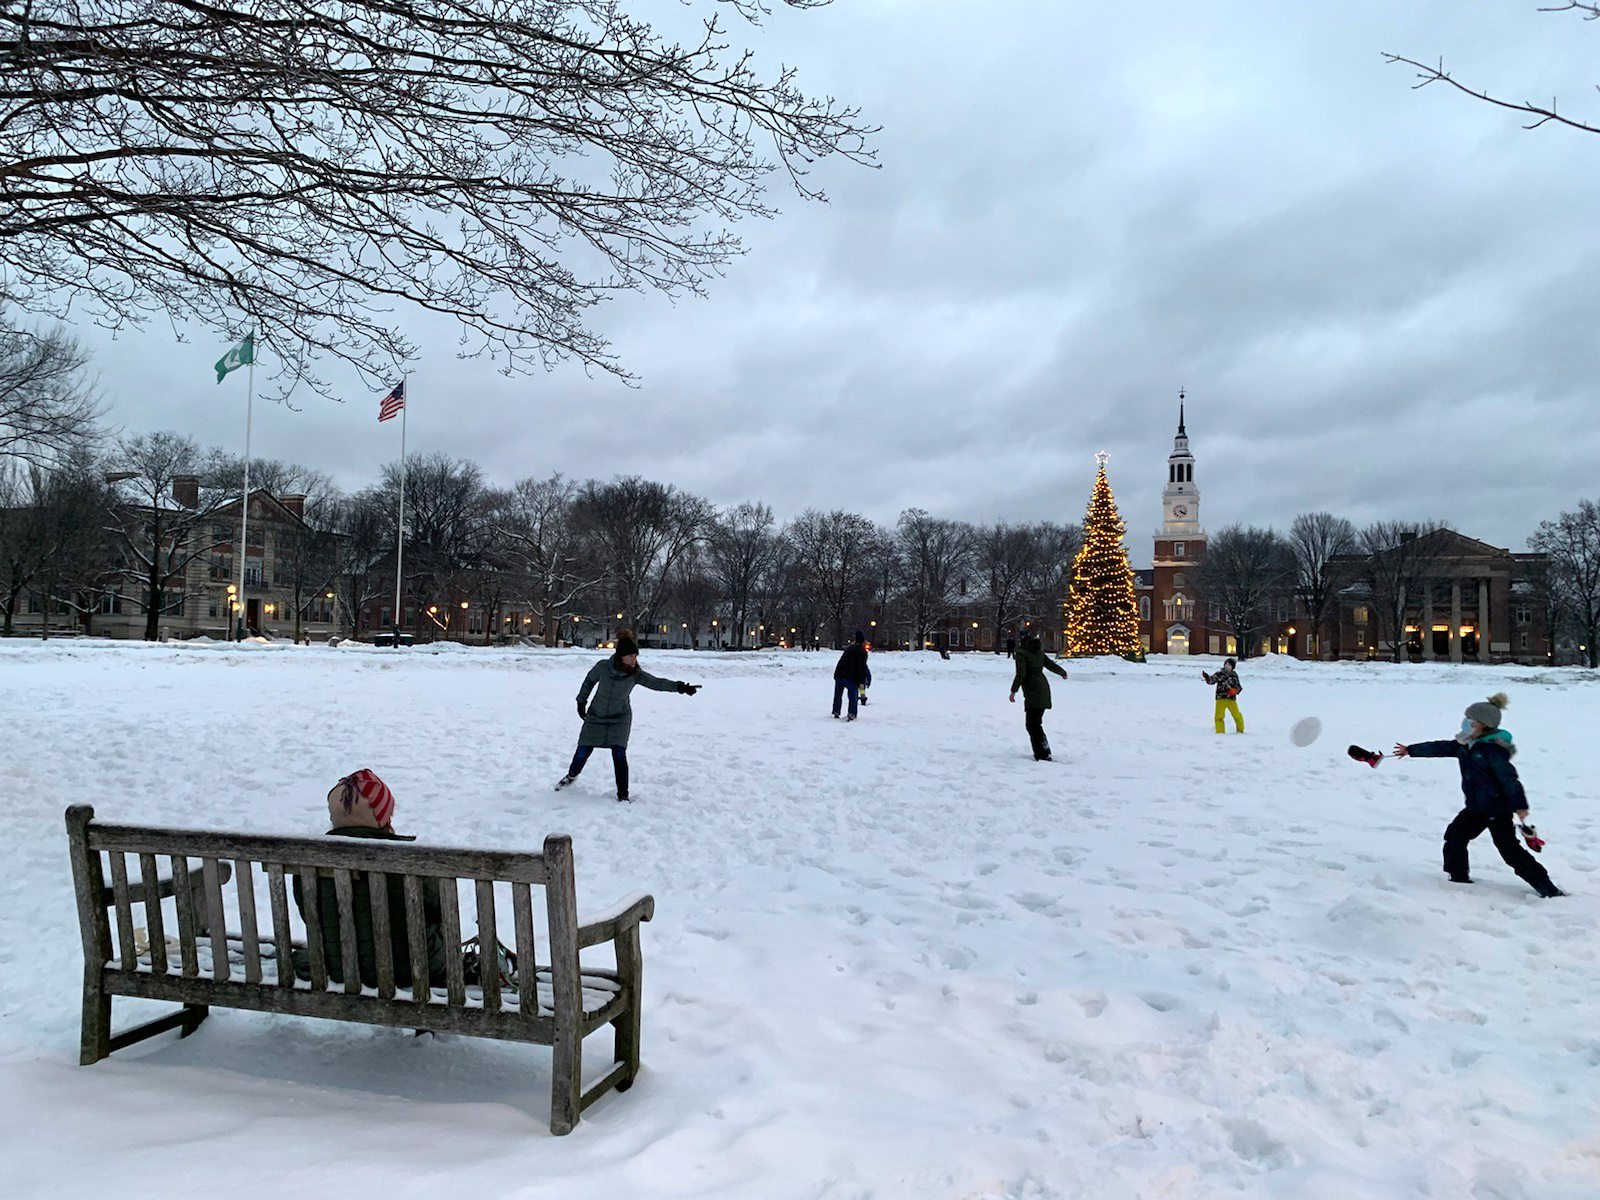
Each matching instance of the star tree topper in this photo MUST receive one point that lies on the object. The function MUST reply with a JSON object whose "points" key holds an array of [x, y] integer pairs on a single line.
{"points": [[1101, 458]]}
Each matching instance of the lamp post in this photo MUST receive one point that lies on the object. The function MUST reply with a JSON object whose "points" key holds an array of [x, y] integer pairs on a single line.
{"points": [[715, 643]]}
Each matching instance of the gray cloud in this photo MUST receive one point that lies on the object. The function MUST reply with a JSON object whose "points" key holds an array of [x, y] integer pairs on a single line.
{"points": [[1378, 298]]}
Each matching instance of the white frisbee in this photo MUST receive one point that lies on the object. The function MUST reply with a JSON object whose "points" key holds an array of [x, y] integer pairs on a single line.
{"points": [[1305, 731]]}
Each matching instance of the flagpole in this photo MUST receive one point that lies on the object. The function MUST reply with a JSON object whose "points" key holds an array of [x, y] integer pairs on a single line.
{"points": [[400, 528], [244, 504]]}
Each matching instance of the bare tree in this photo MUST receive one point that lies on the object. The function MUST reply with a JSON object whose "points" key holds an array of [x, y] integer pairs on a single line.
{"points": [[297, 168], [1314, 540], [364, 525], [1572, 542], [936, 555], [1542, 114], [1025, 567], [540, 538], [447, 523], [47, 406], [639, 530], [742, 546], [833, 558], [156, 535], [1245, 569]]}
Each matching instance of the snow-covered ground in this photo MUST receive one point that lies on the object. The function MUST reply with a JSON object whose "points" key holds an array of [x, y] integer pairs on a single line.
{"points": [[890, 959]]}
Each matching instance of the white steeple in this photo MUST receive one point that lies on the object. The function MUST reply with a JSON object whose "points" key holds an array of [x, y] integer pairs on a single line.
{"points": [[1180, 500]]}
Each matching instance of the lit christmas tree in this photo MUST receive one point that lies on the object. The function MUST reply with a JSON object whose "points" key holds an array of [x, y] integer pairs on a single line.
{"points": [[1101, 615]]}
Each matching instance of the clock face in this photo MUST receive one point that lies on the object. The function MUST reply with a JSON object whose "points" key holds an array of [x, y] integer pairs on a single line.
{"points": [[1180, 510]]}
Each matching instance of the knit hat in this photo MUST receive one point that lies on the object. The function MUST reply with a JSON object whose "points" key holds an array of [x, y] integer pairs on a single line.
{"points": [[1487, 712], [361, 801], [625, 644], [860, 637]]}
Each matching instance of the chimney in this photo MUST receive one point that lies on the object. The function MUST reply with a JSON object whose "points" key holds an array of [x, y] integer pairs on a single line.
{"points": [[186, 491], [295, 503]]}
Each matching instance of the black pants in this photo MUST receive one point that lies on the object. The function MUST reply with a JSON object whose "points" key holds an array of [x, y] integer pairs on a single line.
{"points": [[619, 764], [1033, 718], [1469, 824]]}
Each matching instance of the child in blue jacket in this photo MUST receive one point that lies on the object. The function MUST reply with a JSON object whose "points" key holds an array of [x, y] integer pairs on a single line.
{"points": [[1493, 792]]}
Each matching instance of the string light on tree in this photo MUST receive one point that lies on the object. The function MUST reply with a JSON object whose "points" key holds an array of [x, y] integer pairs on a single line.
{"points": [[1101, 614]]}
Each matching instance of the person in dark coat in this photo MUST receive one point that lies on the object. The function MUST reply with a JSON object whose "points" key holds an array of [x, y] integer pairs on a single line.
{"points": [[1032, 662], [851, 674], [361, 806], [1493, 793], [1228, 687], [609, 719]]}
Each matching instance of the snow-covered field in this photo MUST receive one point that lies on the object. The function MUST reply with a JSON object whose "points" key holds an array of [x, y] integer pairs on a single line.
{"points": [[890, 959]]}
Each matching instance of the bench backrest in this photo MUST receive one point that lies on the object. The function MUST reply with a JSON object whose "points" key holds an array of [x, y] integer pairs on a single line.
{"points": [[221, 889]]}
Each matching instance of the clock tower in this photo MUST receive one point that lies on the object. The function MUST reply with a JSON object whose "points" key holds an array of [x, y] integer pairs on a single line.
{"points": [[1172, 617], [1180, 502]]}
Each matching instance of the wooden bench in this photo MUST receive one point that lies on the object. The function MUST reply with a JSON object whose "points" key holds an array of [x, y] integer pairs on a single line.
{"points": [[556, 1001]]}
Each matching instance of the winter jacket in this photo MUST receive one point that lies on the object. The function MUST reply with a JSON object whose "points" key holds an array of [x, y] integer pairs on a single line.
{"points": [[1488, 780], [609, 718], [1227, 681], [399, 927], [1032, 662], [853, 664]]}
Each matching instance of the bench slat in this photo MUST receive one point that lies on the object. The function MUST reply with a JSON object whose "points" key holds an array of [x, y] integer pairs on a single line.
{"points": [[349, 953], [244, 885], [216, 921], [313, 919], [399, 857], [450, 903], [488, 947], [382, 947], [522, 911], [183, 896], [278, 895], [154, 924], [119, 888], [417, 935]]}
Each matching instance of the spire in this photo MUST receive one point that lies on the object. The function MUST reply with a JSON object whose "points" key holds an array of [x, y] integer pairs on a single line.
{"points": [[1180, 413]]}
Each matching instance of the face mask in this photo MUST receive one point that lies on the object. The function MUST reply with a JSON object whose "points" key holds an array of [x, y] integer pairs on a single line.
{"points": [[1466, 727]]}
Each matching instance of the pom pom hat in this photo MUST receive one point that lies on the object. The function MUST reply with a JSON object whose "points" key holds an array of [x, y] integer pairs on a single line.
{"points": [[1487, 712], [625, 644]]}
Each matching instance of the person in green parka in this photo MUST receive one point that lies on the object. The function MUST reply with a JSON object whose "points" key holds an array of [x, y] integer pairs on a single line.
{"points": [[609, 719], [1032, 662]]}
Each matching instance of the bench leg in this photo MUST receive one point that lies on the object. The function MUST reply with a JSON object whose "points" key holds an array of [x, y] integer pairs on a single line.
{"points": [[193, 1014], [566, 1088], [95, 1040], [630, 971], [625, 1040]]}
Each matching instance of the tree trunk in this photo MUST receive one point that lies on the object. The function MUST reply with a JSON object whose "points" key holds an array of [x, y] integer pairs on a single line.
{"points": [[152, 614]]}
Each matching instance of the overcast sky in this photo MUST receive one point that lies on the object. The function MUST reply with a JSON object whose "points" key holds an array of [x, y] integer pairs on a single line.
{"points": [[1380, 301]]}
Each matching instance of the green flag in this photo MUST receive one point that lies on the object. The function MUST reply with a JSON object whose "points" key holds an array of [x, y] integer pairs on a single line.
{"points": [[241, 355]]}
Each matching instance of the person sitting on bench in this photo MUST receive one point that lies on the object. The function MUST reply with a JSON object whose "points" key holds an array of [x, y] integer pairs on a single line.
{"points": [[362, 806]]}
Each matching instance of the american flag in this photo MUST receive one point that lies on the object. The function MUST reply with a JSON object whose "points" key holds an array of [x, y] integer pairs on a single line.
{"points": [[393, 402]]}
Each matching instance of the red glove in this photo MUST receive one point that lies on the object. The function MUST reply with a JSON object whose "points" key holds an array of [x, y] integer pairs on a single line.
{"points": [[1531, 836]]}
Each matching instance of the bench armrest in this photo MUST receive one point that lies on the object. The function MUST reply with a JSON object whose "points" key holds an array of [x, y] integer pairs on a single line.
{"points": [[604, 926]]}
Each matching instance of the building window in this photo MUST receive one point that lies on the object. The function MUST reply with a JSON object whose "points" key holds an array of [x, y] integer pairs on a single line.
{"points": [[1144, 608], [34, 606], [1213, 613], [222, 566], [1283, 608], [1177, 549], [1216, 644], [1522, 615], [211, 605], [1178, 580], [111, 602], [1360, 616], [954, 637], [222, 531], [1522, 641]]}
